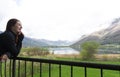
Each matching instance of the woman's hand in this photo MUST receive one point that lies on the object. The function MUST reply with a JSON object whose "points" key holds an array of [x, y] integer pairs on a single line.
{"points": [[20, 36], [4, 57]]}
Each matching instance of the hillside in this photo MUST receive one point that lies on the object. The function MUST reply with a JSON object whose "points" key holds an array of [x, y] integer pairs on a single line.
{"points": [[105, 36], [32, 42], [56, 43], [42, 42]]}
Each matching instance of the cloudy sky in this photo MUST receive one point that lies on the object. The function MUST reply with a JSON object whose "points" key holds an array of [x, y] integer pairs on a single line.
{"points": [[59, 19]]}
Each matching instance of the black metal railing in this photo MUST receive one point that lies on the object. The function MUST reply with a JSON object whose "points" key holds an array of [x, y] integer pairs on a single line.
{"points": [[34, 67]]}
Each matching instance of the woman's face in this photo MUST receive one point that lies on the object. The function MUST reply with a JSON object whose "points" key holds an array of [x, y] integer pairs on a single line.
{"points": [[17, 27]]}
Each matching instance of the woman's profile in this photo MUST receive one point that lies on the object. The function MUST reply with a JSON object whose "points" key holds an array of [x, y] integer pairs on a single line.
{"points": [[11, 39]]}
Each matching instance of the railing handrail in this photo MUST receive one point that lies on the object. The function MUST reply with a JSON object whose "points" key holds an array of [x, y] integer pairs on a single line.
{"points": [[72, 63]]}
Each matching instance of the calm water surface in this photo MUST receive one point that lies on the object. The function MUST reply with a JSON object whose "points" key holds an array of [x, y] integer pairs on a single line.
{"points": [[68, 50], [65, 50]]}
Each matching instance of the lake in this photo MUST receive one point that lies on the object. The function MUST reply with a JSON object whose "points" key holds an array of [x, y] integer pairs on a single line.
{"points": [[68, 50], [64, 50]]}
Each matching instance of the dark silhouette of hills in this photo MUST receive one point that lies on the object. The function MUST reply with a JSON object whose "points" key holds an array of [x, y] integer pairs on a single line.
{"points": [[32, 42]]}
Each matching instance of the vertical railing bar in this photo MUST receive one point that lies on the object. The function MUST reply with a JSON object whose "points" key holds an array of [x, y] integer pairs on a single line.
{"points": [[119, 72], [40, 69], [32, 68], [5, 69], [59, 70], [49, 70], [25, 68], [101, 72], [85, 72], [13, 68], [1, 69], [10, 68], [18, 68], [71, 71]]}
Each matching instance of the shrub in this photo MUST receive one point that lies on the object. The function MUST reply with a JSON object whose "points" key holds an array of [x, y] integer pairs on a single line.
{"points": [[34, 51], [89, 48]]}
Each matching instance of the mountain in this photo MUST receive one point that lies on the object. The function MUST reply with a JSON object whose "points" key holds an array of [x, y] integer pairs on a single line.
{"points": [[30, 42], [113, 35], [56, 43], [105, 36], [43, 42]]}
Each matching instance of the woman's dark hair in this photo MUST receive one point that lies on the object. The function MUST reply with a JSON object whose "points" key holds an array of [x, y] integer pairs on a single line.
{"points": [[11, 23]]}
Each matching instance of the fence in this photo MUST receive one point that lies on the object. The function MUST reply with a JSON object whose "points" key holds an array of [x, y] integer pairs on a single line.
{"points": [[34, 67]]}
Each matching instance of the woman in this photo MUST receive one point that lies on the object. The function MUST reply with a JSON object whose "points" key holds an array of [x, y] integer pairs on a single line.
{"points": [[11, 40]]}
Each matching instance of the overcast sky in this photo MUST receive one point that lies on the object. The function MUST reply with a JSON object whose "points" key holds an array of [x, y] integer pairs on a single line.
{"points": [[59, 19]]}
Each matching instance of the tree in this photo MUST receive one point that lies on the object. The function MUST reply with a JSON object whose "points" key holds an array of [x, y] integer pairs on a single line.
{"points": [[89, 48]]}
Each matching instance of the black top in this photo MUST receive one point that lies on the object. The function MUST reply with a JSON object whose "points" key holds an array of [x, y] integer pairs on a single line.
{"points": [[8, 44]]}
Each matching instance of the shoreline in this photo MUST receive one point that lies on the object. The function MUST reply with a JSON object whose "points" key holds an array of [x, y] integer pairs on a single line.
{"points": [[96, 55]]}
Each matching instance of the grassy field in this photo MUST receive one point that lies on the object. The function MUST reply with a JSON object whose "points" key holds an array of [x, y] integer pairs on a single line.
{"points": [[65, 70], [77, 71]]}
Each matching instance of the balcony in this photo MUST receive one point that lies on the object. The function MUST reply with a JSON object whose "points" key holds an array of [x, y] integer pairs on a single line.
{"points": [[34, 67]]}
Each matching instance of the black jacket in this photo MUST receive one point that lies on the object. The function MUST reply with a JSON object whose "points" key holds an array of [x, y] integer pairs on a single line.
{"points": [[8, 44]]}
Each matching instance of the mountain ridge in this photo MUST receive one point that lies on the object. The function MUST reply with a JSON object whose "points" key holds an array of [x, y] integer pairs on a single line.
{"points": [[111, 34], [33, 42]]}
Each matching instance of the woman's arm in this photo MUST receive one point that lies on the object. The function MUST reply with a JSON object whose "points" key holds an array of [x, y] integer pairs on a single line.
{"points": [[19, 43], [11, 46]]}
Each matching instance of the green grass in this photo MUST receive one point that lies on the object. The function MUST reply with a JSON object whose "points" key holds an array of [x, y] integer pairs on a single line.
{"points": [[65, 70], [78, 72], [34, 51]]}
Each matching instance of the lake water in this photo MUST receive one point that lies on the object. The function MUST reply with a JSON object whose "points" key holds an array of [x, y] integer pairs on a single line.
{"points": [[64, 50], [68, 50]]}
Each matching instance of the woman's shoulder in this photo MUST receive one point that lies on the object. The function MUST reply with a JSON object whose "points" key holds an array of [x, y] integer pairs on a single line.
{"points": [[7, 34]]}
